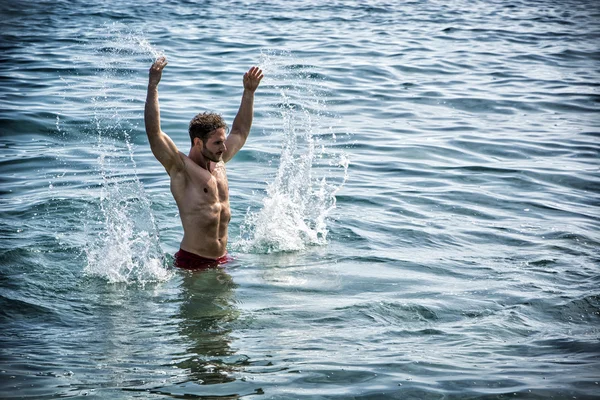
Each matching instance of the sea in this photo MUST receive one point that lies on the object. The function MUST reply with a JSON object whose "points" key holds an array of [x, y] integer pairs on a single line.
{"points": [[415, 215]]}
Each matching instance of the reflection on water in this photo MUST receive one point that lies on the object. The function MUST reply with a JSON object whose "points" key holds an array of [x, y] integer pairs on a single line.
{"points": [[207, 308]]}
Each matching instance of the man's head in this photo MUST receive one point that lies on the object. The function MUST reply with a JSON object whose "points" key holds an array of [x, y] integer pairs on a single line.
{"points": [[208, 130]]}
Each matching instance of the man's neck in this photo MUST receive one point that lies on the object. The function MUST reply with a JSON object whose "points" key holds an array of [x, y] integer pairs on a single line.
{"points": [[200, 160]]}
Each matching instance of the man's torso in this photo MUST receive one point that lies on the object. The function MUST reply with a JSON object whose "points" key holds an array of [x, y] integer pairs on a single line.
{"points": [[203, 201]]}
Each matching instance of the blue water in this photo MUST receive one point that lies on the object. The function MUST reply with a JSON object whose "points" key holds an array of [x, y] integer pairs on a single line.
{"points": [[415, 213]]}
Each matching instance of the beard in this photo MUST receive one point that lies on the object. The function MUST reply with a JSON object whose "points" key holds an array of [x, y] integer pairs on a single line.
{"points": [[212, 156]]}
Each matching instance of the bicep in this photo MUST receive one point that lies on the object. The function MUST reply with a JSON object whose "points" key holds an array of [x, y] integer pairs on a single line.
{"points": [[166, 152], [234, 143]]}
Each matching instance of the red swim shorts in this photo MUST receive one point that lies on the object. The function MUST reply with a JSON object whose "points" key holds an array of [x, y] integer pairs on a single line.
{"points": [[193, 262]]}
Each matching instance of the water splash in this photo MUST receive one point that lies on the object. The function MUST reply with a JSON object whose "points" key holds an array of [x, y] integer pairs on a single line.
{"points": [[123, 240], [125, 247], [299, 200]]}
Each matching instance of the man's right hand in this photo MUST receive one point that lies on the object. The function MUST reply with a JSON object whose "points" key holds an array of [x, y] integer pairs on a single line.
{"points": [[156, 71]]}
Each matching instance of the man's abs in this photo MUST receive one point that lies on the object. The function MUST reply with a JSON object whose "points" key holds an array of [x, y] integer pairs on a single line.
{"points": [[205, 233]]}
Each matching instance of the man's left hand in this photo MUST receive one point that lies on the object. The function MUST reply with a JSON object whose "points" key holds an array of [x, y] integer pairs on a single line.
{"points": [[252, 78]]}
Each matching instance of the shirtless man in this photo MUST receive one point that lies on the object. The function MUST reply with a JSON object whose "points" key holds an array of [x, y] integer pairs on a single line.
{"points": [[199, 180]]}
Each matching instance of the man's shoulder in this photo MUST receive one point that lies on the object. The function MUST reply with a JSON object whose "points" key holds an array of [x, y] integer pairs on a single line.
{"points": [[180, 167]]}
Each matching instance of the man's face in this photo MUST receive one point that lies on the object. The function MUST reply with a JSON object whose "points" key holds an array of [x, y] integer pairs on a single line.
{"points": [[214, 147]]}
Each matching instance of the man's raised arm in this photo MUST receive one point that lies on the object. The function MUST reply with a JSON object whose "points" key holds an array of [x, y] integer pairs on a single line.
{"points": [[161, 145], [240, 129]]}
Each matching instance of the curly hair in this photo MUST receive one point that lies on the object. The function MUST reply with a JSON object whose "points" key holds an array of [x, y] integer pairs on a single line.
{"points": [[203, 124]]}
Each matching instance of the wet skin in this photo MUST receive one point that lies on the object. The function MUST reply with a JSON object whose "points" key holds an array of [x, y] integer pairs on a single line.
{"points": [[199, 179]]}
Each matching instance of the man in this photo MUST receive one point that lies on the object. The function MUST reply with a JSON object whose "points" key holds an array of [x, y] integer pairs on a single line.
{"points": [[199, 180]]}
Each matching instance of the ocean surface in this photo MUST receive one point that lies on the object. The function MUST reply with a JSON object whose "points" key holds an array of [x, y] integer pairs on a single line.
{"points": [[415, 214]]}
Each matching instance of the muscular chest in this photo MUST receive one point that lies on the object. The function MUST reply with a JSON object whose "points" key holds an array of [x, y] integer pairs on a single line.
{"points": [[198, 188], [217, 187]]}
